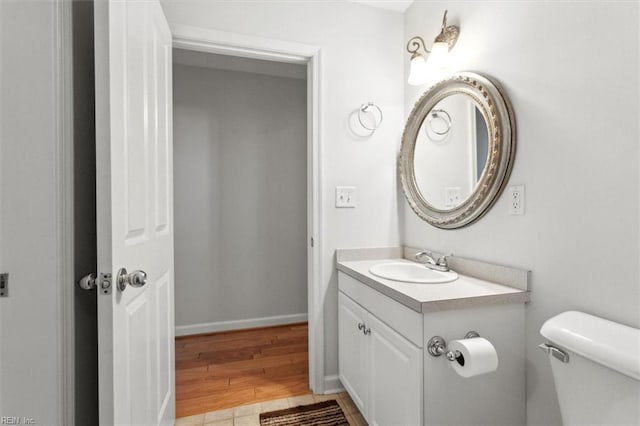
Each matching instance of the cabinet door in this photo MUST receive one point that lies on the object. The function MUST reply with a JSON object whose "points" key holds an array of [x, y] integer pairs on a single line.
{"points": [[352, 350], [395, 374]]}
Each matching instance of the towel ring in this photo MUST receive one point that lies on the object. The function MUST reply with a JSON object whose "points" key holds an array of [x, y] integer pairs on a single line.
{"points": [[366, 109], [442, 115]]}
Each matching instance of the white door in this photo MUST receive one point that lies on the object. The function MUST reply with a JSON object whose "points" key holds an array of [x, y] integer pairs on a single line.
{"points": [[353, 356], [134, 212], [396, 378]]}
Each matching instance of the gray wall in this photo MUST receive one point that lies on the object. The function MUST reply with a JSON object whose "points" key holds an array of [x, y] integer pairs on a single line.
{"points": [[240, 195], [574, 87]]}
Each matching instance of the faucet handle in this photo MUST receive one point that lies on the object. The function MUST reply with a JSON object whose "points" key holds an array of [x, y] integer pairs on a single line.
{"points": [[423, 253], [442, 260]]}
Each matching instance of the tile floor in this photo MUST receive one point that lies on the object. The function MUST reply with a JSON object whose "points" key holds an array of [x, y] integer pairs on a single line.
{"points": [[248, 415]]}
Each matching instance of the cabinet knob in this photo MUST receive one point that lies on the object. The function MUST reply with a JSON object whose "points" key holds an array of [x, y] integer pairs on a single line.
{"points": [[366, 331], [360, 326]]}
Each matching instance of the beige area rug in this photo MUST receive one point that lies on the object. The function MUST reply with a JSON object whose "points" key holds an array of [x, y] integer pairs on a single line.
{"points": [[326, 413]]}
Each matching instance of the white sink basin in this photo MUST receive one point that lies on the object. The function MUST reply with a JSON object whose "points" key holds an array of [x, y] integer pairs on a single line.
{"points": [[412, 273]]}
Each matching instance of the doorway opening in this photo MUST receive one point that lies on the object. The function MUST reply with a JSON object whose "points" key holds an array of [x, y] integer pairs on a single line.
{"points": [[246, 176]]}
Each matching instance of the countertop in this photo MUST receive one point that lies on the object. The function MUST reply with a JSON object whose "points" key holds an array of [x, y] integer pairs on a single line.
{"points": [[466, 291]]}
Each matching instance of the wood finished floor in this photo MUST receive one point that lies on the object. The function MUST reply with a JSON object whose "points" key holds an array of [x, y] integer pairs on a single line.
{"points": [[223, 370]]}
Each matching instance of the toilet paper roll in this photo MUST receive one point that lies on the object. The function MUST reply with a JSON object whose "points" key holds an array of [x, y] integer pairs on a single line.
{"points": [[477, 356]]}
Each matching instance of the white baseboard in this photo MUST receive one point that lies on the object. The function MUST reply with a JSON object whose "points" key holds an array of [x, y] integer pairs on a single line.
{"points": [[332, 384], [212, 327]]}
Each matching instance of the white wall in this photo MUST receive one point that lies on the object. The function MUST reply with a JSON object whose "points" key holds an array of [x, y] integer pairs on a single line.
{"points": [[573, 81], [29, 360], [240, 195], [362, 60]]}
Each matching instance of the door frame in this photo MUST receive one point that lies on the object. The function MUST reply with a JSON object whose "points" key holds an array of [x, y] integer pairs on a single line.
{"points": [[63, 140], [241, 45]]}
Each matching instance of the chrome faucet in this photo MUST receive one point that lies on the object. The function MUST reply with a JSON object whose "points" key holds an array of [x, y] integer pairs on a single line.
{"points": [[438, 265]]}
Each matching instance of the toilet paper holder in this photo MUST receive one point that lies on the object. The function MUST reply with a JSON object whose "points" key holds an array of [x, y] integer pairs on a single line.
{"points": [[438, 346]]}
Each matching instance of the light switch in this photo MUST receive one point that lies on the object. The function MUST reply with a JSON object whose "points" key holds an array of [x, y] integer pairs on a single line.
{"points": [[345, 196]]}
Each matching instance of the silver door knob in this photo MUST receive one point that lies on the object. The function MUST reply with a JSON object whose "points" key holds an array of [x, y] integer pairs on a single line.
{"points": [[88, 282], [134, 279]]}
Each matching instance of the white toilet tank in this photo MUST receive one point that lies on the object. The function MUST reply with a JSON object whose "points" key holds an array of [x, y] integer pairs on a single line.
{"points": [[600, 382]]}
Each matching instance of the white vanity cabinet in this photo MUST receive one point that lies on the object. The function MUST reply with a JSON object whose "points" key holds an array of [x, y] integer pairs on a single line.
{"points": [[380, 366], [384, 364]]}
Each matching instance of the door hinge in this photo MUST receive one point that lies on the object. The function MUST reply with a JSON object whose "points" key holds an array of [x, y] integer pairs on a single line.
{"points": [[4, 285]]}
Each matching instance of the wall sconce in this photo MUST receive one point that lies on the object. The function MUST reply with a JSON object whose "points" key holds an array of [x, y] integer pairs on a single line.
{"points": [[438, 55]]}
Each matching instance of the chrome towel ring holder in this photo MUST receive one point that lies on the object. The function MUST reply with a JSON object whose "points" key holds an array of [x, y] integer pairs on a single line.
{"points": [[370, 108], [439, 114]]}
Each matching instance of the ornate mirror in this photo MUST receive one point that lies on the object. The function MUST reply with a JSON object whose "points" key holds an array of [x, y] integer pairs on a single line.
{"points": [[457, 150]]}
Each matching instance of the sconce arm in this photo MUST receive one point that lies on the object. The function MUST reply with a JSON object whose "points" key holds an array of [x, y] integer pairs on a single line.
{"points": [[448, 34], [414, 45]]}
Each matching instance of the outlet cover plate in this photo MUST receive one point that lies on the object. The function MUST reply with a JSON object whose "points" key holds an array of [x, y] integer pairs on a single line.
{"points": [[452, 196], [516, 200]]}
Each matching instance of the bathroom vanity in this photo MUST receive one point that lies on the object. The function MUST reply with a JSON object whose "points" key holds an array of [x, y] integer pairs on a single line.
{"points": [[384, 327]]}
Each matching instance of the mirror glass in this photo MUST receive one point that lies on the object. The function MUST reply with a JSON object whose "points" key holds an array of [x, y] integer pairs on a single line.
{"points": [[457, 150], [451, 151]]}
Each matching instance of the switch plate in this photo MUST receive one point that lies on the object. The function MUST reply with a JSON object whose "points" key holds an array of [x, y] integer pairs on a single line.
{"points": [[452, 196], [516, 200], [345, 196]]}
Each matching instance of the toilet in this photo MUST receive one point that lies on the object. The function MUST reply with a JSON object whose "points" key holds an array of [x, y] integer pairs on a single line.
{"points": [[596, 369]]}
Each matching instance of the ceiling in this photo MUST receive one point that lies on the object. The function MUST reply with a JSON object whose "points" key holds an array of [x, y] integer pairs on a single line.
{"points": [[395, 5]]}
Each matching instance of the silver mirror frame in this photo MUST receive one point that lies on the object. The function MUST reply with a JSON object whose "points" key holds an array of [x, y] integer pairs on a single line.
{"points": [[500, 119]]}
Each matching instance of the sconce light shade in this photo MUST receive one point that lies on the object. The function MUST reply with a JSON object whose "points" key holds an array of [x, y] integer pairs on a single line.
{"points": [[418, 73], [439, 56]]}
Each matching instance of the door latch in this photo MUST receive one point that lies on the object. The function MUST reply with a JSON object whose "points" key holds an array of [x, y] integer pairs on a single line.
{"points": [[90, 281], [106, 284]]}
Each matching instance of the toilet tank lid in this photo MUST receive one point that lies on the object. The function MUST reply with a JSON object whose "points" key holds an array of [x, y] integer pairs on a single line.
{"points": [[613, 345]]}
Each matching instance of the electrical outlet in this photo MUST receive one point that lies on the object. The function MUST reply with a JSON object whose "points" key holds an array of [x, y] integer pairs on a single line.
{"points": [[345, 196], [452, 196], [516, 200]]}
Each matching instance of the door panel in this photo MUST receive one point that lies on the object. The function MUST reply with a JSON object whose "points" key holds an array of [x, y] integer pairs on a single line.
{"points": [[136, 353], [163, 118], [135, 216], [164, 346], [134, 61]]}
